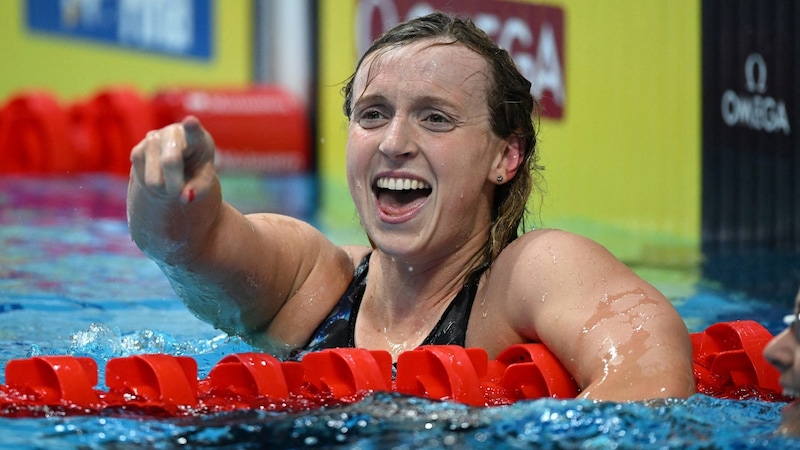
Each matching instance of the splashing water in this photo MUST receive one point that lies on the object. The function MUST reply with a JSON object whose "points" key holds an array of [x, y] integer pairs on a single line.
{"points": [[71, 282]]}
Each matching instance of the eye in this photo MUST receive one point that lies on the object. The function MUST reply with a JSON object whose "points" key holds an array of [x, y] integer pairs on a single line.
{"points": [[370, 118], [437, 121]]}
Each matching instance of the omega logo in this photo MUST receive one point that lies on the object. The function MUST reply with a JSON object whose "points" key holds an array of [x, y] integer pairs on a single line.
{"points": [[755, 62], [754, 110]]}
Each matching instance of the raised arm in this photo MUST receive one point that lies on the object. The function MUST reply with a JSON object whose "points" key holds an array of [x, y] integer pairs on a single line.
{"points": [[239, 273], [619, 337]]}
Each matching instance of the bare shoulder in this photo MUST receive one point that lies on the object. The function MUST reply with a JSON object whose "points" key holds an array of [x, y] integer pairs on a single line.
{"points": [[356, 253], [590, 309], [327, 280], [553, 252], [301, 273], [554, 237], [548, 275]]}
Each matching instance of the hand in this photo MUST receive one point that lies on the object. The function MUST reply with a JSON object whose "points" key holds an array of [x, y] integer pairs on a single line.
{"points": [[175, 162]]}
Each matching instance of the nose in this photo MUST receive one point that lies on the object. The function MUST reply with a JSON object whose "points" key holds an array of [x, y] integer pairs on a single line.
{"points": [[398, 140], [780, 351]]}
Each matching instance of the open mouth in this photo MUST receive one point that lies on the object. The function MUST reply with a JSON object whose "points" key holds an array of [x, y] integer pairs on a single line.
{"points": [[401, 196]]}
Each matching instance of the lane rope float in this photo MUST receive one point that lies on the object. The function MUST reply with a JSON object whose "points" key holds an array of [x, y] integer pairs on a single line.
{"points": [[728, 363]]}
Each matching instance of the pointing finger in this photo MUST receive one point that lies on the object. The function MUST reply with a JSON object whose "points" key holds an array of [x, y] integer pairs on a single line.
{"points": [[151, 157], [173, 145], [199, 147]]}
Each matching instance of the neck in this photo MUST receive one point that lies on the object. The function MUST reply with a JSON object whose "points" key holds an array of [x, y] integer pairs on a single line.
{"points": [[403, 286], [403, 302]]}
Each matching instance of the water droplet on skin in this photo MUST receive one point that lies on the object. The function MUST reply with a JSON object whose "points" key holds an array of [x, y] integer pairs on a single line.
{"points": [[544, 297]]}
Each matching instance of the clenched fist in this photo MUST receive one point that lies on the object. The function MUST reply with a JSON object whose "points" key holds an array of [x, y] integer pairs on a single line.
{"points": [[175, 162]]}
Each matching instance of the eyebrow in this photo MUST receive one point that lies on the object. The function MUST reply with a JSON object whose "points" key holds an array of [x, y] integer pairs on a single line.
{"points": [[426, 100]]}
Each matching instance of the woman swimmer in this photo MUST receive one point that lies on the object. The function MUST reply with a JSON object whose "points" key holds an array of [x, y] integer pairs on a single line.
{"points": [[441, 158], [783, 352]]}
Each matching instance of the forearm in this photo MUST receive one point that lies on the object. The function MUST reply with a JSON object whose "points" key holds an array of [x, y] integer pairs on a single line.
{"points": [[210, 252], [214, 304], [209, 260], [168, 231], [177, 236], [207, 297]]}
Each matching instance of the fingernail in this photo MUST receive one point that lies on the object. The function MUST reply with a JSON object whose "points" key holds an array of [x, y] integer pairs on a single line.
{"points": [[189, 196]]}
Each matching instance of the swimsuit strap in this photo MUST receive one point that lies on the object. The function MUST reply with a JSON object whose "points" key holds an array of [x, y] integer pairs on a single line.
{"points": [[452, 326], [338, 329]]}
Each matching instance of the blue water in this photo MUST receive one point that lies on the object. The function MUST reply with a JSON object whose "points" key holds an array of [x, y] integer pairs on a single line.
{"points": [[72, 282]]}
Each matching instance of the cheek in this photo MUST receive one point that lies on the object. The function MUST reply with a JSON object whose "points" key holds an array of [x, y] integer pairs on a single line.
{"points": [[354, 179], [356, 164], [353, 155], [359, 143], [796, 364]]}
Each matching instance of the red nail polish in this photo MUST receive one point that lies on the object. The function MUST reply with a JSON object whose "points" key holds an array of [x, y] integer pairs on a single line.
{"points": [[190, 196]]}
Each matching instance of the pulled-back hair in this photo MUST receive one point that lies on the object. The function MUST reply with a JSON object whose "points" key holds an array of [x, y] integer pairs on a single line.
{"points": [[512, 109]]}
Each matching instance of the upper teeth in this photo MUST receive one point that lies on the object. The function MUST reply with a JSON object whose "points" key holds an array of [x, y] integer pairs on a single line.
{"points": [[400, 184]]}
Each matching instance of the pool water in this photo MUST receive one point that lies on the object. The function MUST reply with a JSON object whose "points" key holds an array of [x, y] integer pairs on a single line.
{"points": [[73, 283]]}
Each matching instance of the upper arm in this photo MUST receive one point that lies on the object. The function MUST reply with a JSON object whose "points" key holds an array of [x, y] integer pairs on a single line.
{"points": [[255, 266], [617, 335]]}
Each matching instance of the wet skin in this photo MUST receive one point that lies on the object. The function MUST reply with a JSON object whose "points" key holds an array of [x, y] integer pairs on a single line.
{"points": [[783, 352], [420, 120]]}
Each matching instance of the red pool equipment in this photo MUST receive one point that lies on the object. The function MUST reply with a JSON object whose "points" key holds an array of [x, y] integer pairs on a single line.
{"points": [[55, 380], [34, 135], [728, 364], [729, 361], [153, 380], [257, 129], [105, 128], [261, 129]]}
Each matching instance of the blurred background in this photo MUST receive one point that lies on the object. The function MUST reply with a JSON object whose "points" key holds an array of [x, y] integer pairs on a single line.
{"points": [[668, 132]]}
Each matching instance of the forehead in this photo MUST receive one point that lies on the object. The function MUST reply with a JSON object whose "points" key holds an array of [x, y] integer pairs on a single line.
{"points": [[450, 66]]}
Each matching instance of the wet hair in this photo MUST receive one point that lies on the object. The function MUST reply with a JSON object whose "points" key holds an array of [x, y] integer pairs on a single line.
{"points": [[512, 109]]}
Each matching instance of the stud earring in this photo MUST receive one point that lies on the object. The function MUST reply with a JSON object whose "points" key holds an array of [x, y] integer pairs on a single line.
{"points": [[499, 178]]}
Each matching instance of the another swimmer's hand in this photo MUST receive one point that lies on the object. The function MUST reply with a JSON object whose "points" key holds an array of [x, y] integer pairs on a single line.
{"points": [[175, 162]]}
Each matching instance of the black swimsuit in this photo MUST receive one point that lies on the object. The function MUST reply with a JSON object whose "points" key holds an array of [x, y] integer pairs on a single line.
{"points": [[338, 329]]}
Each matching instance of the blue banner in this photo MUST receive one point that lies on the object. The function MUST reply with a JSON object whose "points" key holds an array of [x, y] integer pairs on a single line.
{"points": [[180, 28]]}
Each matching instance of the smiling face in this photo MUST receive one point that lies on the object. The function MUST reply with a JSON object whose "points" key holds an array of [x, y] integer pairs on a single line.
{"points": [[421, 154]]}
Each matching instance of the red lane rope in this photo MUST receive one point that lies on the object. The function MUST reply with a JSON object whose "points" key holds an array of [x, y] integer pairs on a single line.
{"points": [[258, 129], [728, 363]]}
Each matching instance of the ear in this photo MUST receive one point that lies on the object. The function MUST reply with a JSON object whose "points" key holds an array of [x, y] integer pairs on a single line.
{"points": [[508, 162]]}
